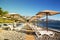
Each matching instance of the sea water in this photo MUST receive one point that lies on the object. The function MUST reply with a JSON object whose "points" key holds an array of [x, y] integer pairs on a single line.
{"points": [[51, 24]]}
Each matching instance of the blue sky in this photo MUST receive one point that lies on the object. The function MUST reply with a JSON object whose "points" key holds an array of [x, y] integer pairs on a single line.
{"points": [[30, 7]]}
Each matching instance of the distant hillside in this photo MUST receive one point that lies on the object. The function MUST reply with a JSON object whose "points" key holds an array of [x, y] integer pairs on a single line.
{"points": [[52, 20]]}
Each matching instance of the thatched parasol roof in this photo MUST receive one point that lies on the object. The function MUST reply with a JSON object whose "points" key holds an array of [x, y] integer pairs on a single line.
{"points": [[16, 17], [32, 18], [49, 12]]}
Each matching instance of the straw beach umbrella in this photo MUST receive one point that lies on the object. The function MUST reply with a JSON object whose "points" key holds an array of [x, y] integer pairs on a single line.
{"points": [[18, 17], [35, 17], [32, 18], [47, 13]]}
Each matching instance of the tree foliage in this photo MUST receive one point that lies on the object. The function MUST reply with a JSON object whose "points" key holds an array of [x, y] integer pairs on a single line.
{"points": [[2, 12], [5, 12]]}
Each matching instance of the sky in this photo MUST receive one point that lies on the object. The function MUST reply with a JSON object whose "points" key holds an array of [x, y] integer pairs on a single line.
{"points": [[30, 7]]}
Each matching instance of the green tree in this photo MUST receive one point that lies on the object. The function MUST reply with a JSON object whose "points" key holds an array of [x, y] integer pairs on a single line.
{"points": [[2, 12], [5, 12]]}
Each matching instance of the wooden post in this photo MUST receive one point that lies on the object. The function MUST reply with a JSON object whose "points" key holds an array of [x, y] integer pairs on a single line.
{"points": [[47, 21]]}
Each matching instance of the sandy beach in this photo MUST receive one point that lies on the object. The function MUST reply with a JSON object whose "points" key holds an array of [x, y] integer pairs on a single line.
{"points": [[13, 35], [10, 35]]}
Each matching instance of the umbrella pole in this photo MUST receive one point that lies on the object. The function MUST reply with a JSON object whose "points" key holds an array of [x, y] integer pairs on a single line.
{"points": [[47, 21]]}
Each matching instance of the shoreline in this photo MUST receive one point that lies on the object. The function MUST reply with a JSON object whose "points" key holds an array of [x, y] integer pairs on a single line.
{"points": [[55, 30]]}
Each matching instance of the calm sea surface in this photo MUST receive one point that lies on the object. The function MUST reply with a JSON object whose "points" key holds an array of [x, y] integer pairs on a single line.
{"points": [[51, 24]]}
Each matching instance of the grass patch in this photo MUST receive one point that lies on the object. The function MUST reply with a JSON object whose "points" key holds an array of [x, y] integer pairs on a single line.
{"points": [[2, 20]]}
